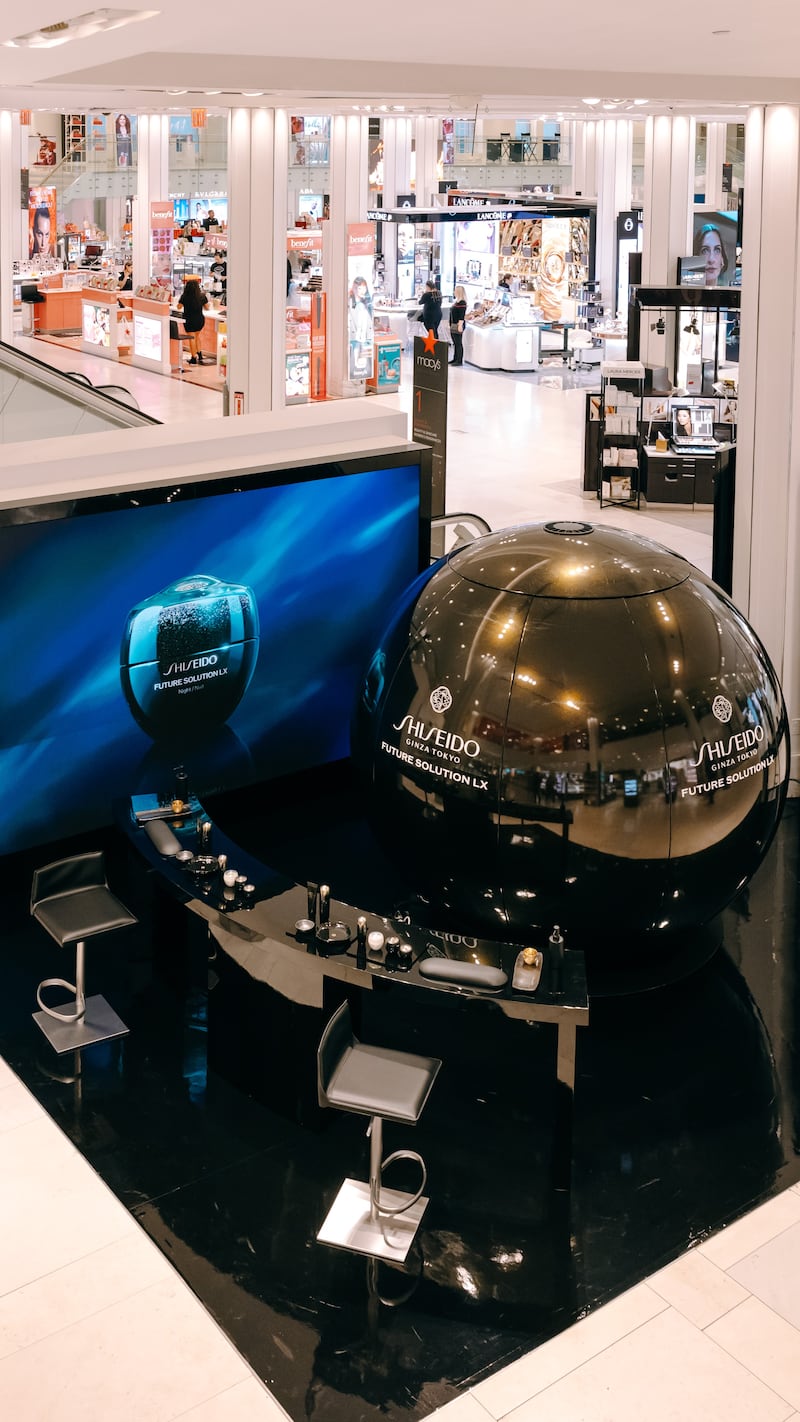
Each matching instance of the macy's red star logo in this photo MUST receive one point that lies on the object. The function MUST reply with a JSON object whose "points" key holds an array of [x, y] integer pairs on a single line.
{"points": [[429, 344]]}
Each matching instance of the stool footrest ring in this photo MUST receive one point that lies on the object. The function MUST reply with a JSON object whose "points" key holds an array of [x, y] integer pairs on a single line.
{"points": [[375, 1185], [75, 1016]]}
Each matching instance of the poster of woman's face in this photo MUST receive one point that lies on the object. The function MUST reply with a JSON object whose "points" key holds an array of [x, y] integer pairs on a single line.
{"points": [[41, 222], [714, 241], [476, 236]]}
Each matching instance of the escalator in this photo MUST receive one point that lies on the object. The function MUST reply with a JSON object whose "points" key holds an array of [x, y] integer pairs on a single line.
{"points": [[38, 402]]}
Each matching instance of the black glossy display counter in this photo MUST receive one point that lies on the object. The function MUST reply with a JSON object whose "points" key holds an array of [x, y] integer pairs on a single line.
{"points": [[262, 938]]}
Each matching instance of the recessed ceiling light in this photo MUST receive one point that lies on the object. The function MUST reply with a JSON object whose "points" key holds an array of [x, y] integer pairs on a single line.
{"points": [[641, 101], [591, 101], [177, 91], [209, 92], [252, 93], [79, 27]]}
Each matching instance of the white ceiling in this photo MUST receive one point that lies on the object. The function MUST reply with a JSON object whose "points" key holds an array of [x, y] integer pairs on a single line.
{"points": [[452, 57]]}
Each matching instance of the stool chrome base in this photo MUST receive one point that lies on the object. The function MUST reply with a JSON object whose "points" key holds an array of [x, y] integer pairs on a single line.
{"points": [[99, 1023], [348, 1224]]}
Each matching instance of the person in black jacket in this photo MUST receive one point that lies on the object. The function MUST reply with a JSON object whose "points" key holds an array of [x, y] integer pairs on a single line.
{"points": [[458, 315], [431, 307]]}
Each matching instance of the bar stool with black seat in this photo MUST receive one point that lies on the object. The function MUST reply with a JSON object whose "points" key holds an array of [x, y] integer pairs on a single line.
{"points": [[72, 901], [180, 337], [385, 1085]]}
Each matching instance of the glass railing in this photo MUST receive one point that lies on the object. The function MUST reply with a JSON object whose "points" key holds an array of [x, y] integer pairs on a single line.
{"points": [[533, 151], [37, 402], [92, 171]]}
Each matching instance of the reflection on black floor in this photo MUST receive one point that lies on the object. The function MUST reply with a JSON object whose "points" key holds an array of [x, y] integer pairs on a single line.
{"points": [[687, 1114]]}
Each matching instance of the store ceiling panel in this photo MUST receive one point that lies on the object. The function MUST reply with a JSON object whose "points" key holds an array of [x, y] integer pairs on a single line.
{"points": [[691, 57]]}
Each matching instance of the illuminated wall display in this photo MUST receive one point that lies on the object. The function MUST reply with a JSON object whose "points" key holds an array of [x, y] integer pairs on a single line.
{"points": [[190, 629], [147, 336], [96, 324], [360, 324]]}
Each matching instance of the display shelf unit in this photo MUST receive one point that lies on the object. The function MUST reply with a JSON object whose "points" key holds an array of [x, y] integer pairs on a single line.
{"points": [[619, 447], [590, 308]]}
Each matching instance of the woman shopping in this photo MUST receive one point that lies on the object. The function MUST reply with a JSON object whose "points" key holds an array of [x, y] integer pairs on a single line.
{"points": [[431, 307], [191, 303], [458, 315]]}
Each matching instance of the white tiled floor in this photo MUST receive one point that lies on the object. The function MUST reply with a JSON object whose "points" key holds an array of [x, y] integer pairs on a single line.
{"points": [[95, 1324], [94, 1321]]}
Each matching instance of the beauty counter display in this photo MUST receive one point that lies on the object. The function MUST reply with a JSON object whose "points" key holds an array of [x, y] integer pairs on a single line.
{"points": [[386, 370], [101, 330], [150, 320], [502, 347], [298, 354], [57, 306], [61, 308], [393, 318], [213, 337]]}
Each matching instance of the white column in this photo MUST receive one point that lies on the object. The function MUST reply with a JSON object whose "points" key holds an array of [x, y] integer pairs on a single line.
{"points": [[668, 197], [584, 163], [716, 149], [614, 140], [258, 166], [427, 132], [152, 185], [396, 179], [766, 574], [349, 187], [13, 220]]}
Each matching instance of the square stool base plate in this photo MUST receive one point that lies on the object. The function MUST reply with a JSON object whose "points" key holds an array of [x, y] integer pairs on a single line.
{"points": [[348, 1225], [99, 1024]]}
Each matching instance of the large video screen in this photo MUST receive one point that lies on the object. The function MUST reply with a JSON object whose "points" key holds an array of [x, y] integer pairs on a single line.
{"points": [[224, 631]]}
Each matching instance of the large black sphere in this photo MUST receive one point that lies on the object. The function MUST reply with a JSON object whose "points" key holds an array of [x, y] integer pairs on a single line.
{"points": [[570, 724]]}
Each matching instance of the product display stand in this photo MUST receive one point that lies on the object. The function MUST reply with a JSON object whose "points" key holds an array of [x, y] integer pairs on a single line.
{"points": [[619, 445]]}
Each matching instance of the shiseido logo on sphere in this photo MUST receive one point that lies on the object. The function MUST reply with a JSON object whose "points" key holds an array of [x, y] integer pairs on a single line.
{"points": [[449, 745], [738, 747], [722, 708], [440, 699], [194, 664]]}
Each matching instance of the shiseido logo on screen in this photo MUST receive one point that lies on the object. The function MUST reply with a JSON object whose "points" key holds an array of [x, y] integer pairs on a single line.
{"points": [[194, 664]]}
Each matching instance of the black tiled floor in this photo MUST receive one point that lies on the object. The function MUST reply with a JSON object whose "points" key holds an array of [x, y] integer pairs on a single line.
{"points": [[687, 1114]]}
